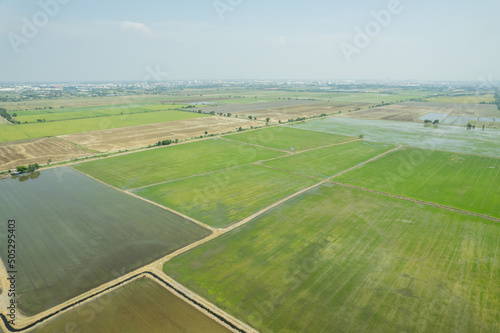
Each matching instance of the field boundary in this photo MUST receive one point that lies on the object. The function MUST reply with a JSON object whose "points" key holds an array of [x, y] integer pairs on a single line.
{"points": [[266, 209], [212, 229], [99, 116], [290, 152], [232, 323], [158, 264], [359, 165], [418, 201], [252, 144], [187, 177]]}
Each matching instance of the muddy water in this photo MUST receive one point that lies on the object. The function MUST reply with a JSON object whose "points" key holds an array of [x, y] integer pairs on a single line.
{"points": [[449, 138]]}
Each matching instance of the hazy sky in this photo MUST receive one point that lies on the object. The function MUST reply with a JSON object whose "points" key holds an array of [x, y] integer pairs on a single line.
{"points": [[77, 40]]}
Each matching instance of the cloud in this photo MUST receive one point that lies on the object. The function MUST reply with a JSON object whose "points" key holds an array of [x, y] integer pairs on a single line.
{"points": [[280, 41], [141, 27]]}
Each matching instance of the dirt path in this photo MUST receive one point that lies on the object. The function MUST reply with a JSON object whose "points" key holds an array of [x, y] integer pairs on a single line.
{"points": [[254, 145], [187, 177], [4, 285], [287, 171], [151, 202], [157, 266], [268, 208], [367, 161]]}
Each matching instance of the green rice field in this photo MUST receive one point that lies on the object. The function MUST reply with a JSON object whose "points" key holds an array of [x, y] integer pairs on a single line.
{"points": [[142, 305], [10, 132], [462, 181], [224, 197], [65, 114], [289, 139], [54, 128], [173, 162], [325, 162], [336, 259], [74, 234]]}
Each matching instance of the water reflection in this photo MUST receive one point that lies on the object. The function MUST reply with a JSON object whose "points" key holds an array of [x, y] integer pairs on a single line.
{"points": [[23, 178]]}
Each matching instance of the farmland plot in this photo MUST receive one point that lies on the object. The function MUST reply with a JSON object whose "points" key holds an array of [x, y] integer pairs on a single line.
{"points": [[143, 135], [10, 132], [308, 110], [55, 128], [470, 99], [65, 114], [325, 162], [419, 111], [466, 182], [336, 259], [224, 197], [449, 138], [74, 234], [139, 306], [289, 139], [39, 151], [168, 163], [408, 111]]}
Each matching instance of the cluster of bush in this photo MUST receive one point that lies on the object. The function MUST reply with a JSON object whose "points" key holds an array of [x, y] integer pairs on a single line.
{"points": [[166, 142], [29, 168], [5, 114]]}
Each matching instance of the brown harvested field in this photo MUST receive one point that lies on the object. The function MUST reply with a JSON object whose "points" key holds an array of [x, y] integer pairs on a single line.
{"points": [[477, 110], [144, 135], [411, 111], [39, 151], [291, 112], [143, 305], [258, 108]]}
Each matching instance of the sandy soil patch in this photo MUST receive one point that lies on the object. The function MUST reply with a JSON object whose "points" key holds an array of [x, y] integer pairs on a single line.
{"points": [[26, 152], [144, 135]]}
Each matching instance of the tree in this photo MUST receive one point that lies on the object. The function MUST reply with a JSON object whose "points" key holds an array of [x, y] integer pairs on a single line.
{"points": [[229, 114], [250, 117], [361, 136], [206, 132], [49, 160], [21, 169], [33, 167], [435, 122], [267, 119]]}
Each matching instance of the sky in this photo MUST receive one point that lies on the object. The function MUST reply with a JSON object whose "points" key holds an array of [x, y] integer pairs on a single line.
{"points": [[111, 40]]}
